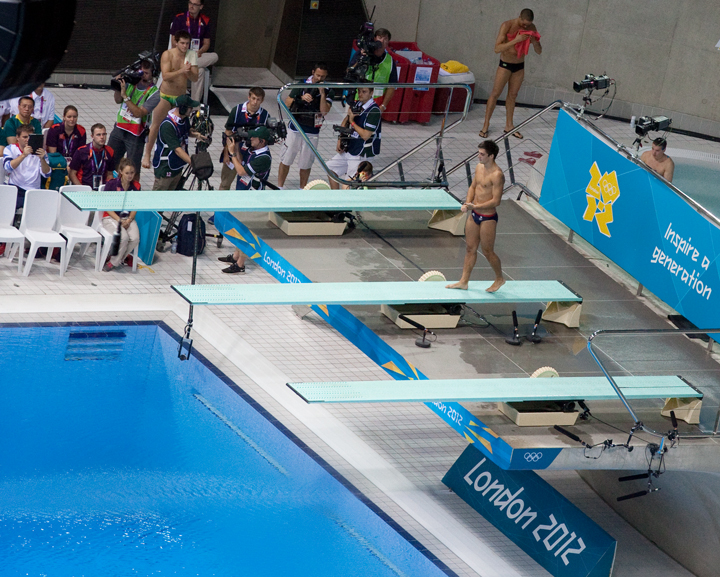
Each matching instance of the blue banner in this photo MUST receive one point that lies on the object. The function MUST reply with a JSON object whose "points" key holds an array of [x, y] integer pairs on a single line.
{"points": [[534, 516], [454, 414], [635, 219]]}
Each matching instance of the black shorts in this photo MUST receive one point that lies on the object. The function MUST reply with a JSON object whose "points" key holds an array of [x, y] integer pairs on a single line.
{"points": [[478, 218], [512, 66]]}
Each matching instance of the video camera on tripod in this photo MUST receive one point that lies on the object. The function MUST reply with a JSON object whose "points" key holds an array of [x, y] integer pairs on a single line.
{"points": [[133, 73], [277, 128], [201, 123]]}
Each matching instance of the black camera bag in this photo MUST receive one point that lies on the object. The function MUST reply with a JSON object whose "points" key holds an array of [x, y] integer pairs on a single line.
{"points": [[202, 165]]}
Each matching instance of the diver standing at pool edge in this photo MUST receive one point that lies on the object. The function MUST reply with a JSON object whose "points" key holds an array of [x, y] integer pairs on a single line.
{"points": [[483, 197], [512, 43]]}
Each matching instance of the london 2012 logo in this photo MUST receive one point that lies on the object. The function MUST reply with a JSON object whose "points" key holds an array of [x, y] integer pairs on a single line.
{"points": [[602, 192]]}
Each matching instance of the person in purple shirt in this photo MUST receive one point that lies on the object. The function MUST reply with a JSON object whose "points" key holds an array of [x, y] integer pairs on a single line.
{"points": [[198, 26], [94, 163], [129, 231], [66, 136]]}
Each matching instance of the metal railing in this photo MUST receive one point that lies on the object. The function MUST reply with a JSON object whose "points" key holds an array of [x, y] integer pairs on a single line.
{"points": [[465, 163], [434, 139], [638, 424], [632, 156], [628, 152]]}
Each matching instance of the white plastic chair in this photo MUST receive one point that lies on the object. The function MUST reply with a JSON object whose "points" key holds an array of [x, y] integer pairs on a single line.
{"points": [[38, 220], [72, 224], [14, 239]]}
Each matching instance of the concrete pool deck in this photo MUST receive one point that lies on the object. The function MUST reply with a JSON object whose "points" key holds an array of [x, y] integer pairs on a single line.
{"points": [[396, 455]]}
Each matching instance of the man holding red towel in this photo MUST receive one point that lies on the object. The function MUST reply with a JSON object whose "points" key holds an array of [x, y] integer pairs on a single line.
{"points": [[512, 43]]}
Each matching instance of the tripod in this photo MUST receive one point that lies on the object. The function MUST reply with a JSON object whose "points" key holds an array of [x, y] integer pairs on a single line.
{"points": [[199, 184]]}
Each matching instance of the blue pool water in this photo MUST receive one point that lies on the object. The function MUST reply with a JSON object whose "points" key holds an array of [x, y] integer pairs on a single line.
{"points": [[117, 459], [700, 181]]}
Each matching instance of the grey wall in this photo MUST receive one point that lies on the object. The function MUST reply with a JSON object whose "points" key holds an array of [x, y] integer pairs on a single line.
{"points": [[661, 53], [246, 32], [681, 518]]}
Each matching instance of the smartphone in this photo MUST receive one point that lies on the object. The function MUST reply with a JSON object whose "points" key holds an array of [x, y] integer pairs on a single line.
{"points": [[35, 141]]}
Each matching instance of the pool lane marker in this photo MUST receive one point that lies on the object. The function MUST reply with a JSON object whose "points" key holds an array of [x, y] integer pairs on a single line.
{"points": [[370, 547], [241, 434]]}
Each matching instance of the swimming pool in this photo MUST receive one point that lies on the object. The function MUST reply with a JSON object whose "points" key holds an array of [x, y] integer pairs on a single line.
{"points": [[700, 180], [118, 459]]}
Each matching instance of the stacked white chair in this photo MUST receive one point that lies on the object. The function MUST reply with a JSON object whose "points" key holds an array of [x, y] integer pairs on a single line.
{"points": [[38, 223], [14, 240], [72, 224]]}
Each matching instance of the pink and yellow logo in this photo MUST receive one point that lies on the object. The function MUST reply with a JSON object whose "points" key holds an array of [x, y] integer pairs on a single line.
{"points": [[602, 191]]}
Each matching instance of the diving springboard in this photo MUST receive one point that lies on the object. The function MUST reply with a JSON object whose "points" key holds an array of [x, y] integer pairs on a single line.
{"points": [[374, 293], [265, 200], [510, 390]]}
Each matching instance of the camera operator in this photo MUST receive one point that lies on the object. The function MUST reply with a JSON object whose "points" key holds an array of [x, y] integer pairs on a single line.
{"points": [[309, 107], [658, 160], [252, 162], [381, 68], [171, 154], [250, 114], [365, 119], [131, 125]]}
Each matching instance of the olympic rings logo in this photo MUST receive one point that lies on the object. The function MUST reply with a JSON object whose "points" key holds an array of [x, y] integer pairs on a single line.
{"points": [[533, 457]]}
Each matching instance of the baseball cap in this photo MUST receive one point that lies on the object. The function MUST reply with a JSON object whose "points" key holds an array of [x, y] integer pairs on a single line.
{"points": [[261, 132], [185, 100]]}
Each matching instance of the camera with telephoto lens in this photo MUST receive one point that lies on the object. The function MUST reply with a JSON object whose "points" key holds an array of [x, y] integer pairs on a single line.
{"points": [[300, 106], [367, 45], [592, 82], [133, 73], [277, 128]]}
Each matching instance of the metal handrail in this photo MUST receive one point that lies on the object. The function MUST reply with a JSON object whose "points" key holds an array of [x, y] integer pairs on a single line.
{"points": [[632, 157], [373, 181], [505, 136], [638, 424]]}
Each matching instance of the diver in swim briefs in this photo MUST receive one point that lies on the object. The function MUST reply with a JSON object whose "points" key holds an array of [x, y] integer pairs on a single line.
{"points": [[512, 44], [482, 200]]}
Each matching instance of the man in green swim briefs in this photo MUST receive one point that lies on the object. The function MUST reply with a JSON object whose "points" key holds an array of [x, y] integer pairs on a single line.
{"points": [[176, 71]]}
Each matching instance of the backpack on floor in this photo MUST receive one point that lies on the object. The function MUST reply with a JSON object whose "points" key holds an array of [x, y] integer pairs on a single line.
{"points": [[186, 235]]}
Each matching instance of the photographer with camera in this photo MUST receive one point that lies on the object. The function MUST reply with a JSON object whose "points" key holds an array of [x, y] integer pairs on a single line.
{"points": [[250, 114], [252, 161], [137, 103], [373, 63], [309, 107], [361, 141], [171, 155]]}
